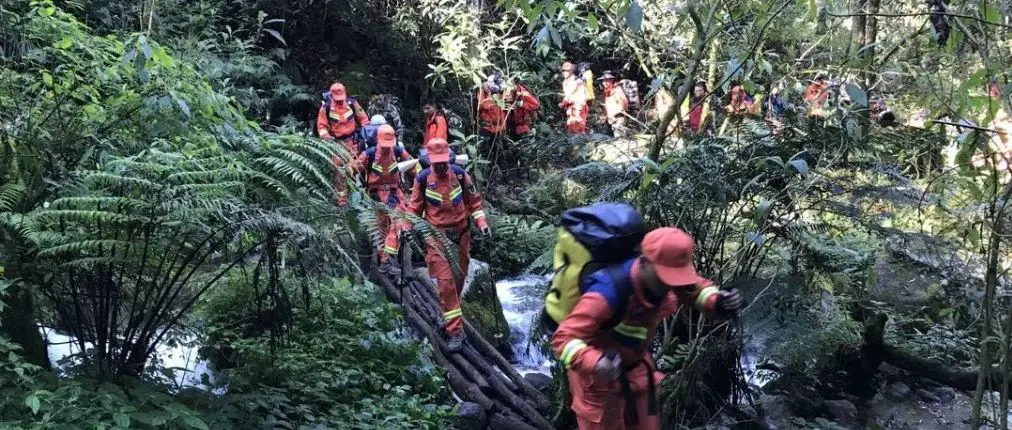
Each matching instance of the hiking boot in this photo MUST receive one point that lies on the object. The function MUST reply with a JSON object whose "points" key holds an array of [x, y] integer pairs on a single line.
{"points": [[456, 342]]}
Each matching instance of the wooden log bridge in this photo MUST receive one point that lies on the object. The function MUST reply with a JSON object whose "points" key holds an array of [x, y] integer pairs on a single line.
{"points": [[478, 373]]}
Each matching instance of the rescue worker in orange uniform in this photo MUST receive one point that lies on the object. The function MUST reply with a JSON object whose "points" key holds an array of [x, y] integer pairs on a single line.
{"points": [[611, 371], [382, 178], [338, 119], [574, 100], [816, 96], [524, 107], [447, 198], [435, 123], [615, 103]]}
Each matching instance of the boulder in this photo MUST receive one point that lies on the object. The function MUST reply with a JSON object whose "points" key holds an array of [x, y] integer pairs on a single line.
{"points": [[842, 410], [483, 309], [776, 409], [897, 391], [539, 381], [927, 396], [945, 394], [471, 416]]}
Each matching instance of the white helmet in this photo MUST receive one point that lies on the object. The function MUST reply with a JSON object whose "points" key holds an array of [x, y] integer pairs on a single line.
{"points": [[377, 120]]}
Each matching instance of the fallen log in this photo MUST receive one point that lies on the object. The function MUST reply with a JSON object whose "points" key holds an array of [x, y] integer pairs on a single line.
{"points": [[952, 376], [470, 371], [488, 350], [502, 421], [503, 365]]}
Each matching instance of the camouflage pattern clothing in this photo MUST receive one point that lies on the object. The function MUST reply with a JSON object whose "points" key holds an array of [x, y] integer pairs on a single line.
{"points": [[390, 107]]}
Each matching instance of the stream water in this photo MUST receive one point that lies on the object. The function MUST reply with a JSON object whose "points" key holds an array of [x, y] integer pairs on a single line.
{"points": [[522, 298], [182, 368]]}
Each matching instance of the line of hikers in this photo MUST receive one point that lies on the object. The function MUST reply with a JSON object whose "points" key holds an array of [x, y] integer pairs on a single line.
{"points": [[442, 192], [614, 282]]}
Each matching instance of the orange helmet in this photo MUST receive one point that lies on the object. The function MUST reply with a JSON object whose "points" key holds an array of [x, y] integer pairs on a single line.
{"points": [[338, 93], [439, 151], [386, 137]]}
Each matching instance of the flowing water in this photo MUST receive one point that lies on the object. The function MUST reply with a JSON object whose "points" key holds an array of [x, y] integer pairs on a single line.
{"points": [[522, 299], [179, 359]]}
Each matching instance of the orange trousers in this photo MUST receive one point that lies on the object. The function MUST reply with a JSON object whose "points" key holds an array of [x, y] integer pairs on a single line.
{"points": [[576, 119], [391, 198], [600, 405], [450, 286], [340, 181]]}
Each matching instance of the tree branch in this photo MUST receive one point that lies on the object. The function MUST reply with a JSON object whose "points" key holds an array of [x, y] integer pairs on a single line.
{"points": [[901, 15]]}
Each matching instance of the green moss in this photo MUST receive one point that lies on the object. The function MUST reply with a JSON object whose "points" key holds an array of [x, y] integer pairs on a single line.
{"points": [[483, 309]]}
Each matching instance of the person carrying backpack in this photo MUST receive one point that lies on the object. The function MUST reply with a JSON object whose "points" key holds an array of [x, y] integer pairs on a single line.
{"points": [[608, 299], [523, 110], [366, 135], [615, 103], [338, 119], [574, 100], [435, 123], [447, 198], [382, 179]]}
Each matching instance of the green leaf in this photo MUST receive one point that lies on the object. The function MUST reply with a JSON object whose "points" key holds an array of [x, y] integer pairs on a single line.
{"points": [[556, 39], [145, 47], [592, 23], [47, 11], [183, 107], [800, 165], [857, 94], [33, 403], [195, 422], [276, 35], [991, 13], [634, 16], [122, 420]]}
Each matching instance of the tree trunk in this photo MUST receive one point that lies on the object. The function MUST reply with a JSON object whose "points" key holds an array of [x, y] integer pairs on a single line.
{"points": [[868, 45], [699, 50], [857, 27]]}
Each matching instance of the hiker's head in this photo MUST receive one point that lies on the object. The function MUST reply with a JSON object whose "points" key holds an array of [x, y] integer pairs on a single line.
{"points": [[439, 155], [338, 93], [567, 69], [699, 90], [386, 139], [667, 259]]}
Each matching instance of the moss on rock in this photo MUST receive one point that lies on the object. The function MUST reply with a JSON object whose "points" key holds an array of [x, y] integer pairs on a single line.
{"points": [[483, 309]]}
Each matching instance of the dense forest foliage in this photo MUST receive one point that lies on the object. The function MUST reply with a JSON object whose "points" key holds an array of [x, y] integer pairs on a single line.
{"points": [[161, 187]]}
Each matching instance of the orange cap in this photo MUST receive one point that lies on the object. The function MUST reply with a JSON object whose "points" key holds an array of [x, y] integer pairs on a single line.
{"points": [[670, 250], [338, 93], [386, 137], [568, 66], [439, 151]]}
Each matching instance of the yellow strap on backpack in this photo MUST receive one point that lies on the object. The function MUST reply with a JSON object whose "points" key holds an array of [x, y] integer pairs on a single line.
{"points": [[588, 81], [569, 257]]}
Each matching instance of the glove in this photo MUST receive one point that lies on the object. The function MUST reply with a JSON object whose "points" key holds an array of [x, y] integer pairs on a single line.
{"points": [[729, 302], [609, 367], [484, 228]]}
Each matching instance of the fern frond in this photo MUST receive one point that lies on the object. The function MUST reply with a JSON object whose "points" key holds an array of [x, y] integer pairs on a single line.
{"points": [[10, 195]]}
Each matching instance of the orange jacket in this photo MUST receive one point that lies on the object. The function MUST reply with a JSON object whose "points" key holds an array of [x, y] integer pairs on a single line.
{"points": [[342, 120], [491, 116], [382, 171], [446, 201], [524, 110], [435, 126], [574, 92], [585, 335], [615, 102]]}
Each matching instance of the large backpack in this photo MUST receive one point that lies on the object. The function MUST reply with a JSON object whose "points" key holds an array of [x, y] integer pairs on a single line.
{"points": [[592, 238], [632, 93], [583, 70]]}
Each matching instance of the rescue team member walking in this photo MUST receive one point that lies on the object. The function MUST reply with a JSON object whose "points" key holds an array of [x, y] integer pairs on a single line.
{"points": [[338, 120], [435, 123], [611, 371], [381, 177], [445, 195], [574, 100], [615, 104]]}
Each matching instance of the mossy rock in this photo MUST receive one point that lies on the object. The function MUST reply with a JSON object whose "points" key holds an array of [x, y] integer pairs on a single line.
{"points": [[483, 309]]}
